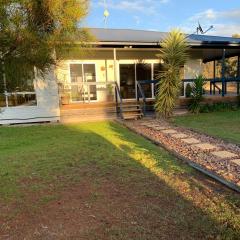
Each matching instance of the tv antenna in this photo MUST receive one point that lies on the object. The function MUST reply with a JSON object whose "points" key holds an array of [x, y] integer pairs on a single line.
{"points": [[105, 14], [200, 29]]}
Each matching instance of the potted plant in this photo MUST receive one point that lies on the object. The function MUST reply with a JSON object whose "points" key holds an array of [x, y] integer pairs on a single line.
{"points": [[65, 98], [110, 95], [64, 94]]}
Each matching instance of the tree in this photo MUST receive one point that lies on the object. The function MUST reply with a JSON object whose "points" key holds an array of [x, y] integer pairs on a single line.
{"points": [[174, 54], [31, 30], [236, 35]]}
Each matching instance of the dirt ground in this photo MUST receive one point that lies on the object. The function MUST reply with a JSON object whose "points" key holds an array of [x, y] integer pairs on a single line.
{"points": [[105, 208]]}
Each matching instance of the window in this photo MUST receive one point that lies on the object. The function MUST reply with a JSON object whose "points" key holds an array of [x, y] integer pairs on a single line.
{"points": [[127, 81], [144, 72], [18, 88], [83, 82]]}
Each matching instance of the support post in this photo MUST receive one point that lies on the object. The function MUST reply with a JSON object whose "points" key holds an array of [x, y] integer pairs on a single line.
{"points": [[4, 81], [214, 77], [238, 74], [115, 63], [223, 72]]}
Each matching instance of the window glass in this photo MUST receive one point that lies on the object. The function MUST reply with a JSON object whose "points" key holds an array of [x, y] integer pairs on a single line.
{"points": [[76, 73], [144, 73], [19, 85], [90, 77], [83, 79], [127, 81], [157, 68]]}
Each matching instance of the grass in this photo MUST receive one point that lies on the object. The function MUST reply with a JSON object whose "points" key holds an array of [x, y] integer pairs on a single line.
{"points": [[225, 125], [109, 183]]}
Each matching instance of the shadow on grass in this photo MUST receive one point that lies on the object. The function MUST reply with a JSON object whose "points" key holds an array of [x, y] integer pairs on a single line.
{"points": [[150, 193]]}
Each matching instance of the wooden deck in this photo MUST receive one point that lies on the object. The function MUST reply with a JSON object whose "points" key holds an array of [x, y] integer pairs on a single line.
{"points": [[78, 112]]}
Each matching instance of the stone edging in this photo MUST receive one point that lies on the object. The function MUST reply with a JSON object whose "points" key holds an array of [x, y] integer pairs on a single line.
{"points": [[184, 159]]}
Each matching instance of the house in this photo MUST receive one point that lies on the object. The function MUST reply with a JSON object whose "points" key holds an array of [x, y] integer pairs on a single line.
{"points": [[121, 66]]}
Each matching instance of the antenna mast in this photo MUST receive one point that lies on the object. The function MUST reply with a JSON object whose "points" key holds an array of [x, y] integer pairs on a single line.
{"points": [[199, 29], [105, 14]]}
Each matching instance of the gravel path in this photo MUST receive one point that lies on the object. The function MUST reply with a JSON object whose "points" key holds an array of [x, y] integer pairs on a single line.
{"points": [[214, 155]]}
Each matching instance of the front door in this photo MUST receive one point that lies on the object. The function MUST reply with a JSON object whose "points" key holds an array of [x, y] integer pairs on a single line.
{"points": [[144, 72], [127, 81], [129, 74], [83, 82]]}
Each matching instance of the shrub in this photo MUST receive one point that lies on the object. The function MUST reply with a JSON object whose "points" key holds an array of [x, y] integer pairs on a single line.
{"points": [[197, 94], [188, 91], [218, 107], [174, 54], [238, 100]]}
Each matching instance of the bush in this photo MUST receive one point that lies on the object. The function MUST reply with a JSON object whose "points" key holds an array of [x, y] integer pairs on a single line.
{"points": [[197, 94], [174, 54], [205, 108], [218, 107], [188, 91], [238, 100]]}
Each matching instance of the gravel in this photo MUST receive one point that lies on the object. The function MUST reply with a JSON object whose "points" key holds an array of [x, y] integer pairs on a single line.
{"points": [[224, 168]]}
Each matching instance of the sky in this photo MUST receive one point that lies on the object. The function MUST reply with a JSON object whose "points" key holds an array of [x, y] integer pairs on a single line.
{"points": [[164, 15]]}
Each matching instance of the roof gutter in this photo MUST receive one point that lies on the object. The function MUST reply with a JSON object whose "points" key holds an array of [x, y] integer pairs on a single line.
{"points": [[127, 43], [192, 44]]}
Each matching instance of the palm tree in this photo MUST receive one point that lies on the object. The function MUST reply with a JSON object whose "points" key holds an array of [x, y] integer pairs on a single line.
{"points": [[174, 54]]}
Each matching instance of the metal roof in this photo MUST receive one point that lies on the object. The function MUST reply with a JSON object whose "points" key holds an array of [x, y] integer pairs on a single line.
{"points": [[143, 37]]}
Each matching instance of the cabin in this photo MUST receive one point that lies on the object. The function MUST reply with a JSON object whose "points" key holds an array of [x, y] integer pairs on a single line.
{"points": [[117, 78]]}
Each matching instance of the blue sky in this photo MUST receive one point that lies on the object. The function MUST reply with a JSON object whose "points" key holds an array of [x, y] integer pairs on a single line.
{"points": [[163, 15]]}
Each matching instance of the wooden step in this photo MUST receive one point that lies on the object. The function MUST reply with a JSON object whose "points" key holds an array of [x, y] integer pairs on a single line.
{"points": [[131, 110], [132, 116], [130, 106]]}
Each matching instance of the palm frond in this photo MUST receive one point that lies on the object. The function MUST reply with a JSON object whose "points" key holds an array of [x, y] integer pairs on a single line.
{"points": [[174, 54]]}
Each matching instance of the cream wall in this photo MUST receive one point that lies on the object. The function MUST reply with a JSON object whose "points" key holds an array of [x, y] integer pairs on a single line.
{"points": [[47, 108], [104, 63], [103, 60]]}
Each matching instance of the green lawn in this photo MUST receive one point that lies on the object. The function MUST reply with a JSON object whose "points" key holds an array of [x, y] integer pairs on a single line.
{"points": [[225, 125], [101, 181]]}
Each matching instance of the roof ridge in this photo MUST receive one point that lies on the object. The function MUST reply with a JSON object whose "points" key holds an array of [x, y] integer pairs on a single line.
{"points": [[127, 29], [156, 31]]}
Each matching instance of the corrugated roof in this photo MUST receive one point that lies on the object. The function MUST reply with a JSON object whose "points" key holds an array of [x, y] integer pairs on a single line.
{"points": [[154, 37]]}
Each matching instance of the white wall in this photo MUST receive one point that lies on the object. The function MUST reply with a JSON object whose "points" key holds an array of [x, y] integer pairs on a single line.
{"points": [[47, 108]]}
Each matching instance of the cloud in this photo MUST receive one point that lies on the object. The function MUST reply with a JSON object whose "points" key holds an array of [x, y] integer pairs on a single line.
{"points": [[225, 29], [144, 6], [225, 23], [213, 15], [137, 19]]}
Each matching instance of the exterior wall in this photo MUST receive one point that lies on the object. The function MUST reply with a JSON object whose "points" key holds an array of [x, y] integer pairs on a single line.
{"points": [[47, 108], [103, 60]]}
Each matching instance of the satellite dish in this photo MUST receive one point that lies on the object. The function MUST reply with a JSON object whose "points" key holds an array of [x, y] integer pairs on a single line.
{"points": [[200, 29]]}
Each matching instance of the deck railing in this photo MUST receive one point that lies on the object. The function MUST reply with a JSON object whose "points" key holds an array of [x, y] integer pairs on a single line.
{"points": [[87, 91], [17, 98], [212, 85], [118, 99]]}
